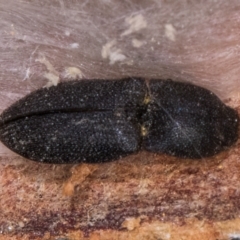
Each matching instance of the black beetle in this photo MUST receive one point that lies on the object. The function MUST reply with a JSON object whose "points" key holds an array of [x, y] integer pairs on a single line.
{"points": [[103, 120]]}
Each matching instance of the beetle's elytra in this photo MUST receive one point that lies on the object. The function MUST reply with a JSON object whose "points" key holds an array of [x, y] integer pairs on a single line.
{"points": [[102, 120]]}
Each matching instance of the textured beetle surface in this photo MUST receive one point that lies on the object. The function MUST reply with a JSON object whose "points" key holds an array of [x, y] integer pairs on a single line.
{"points": [[102, 120]]}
